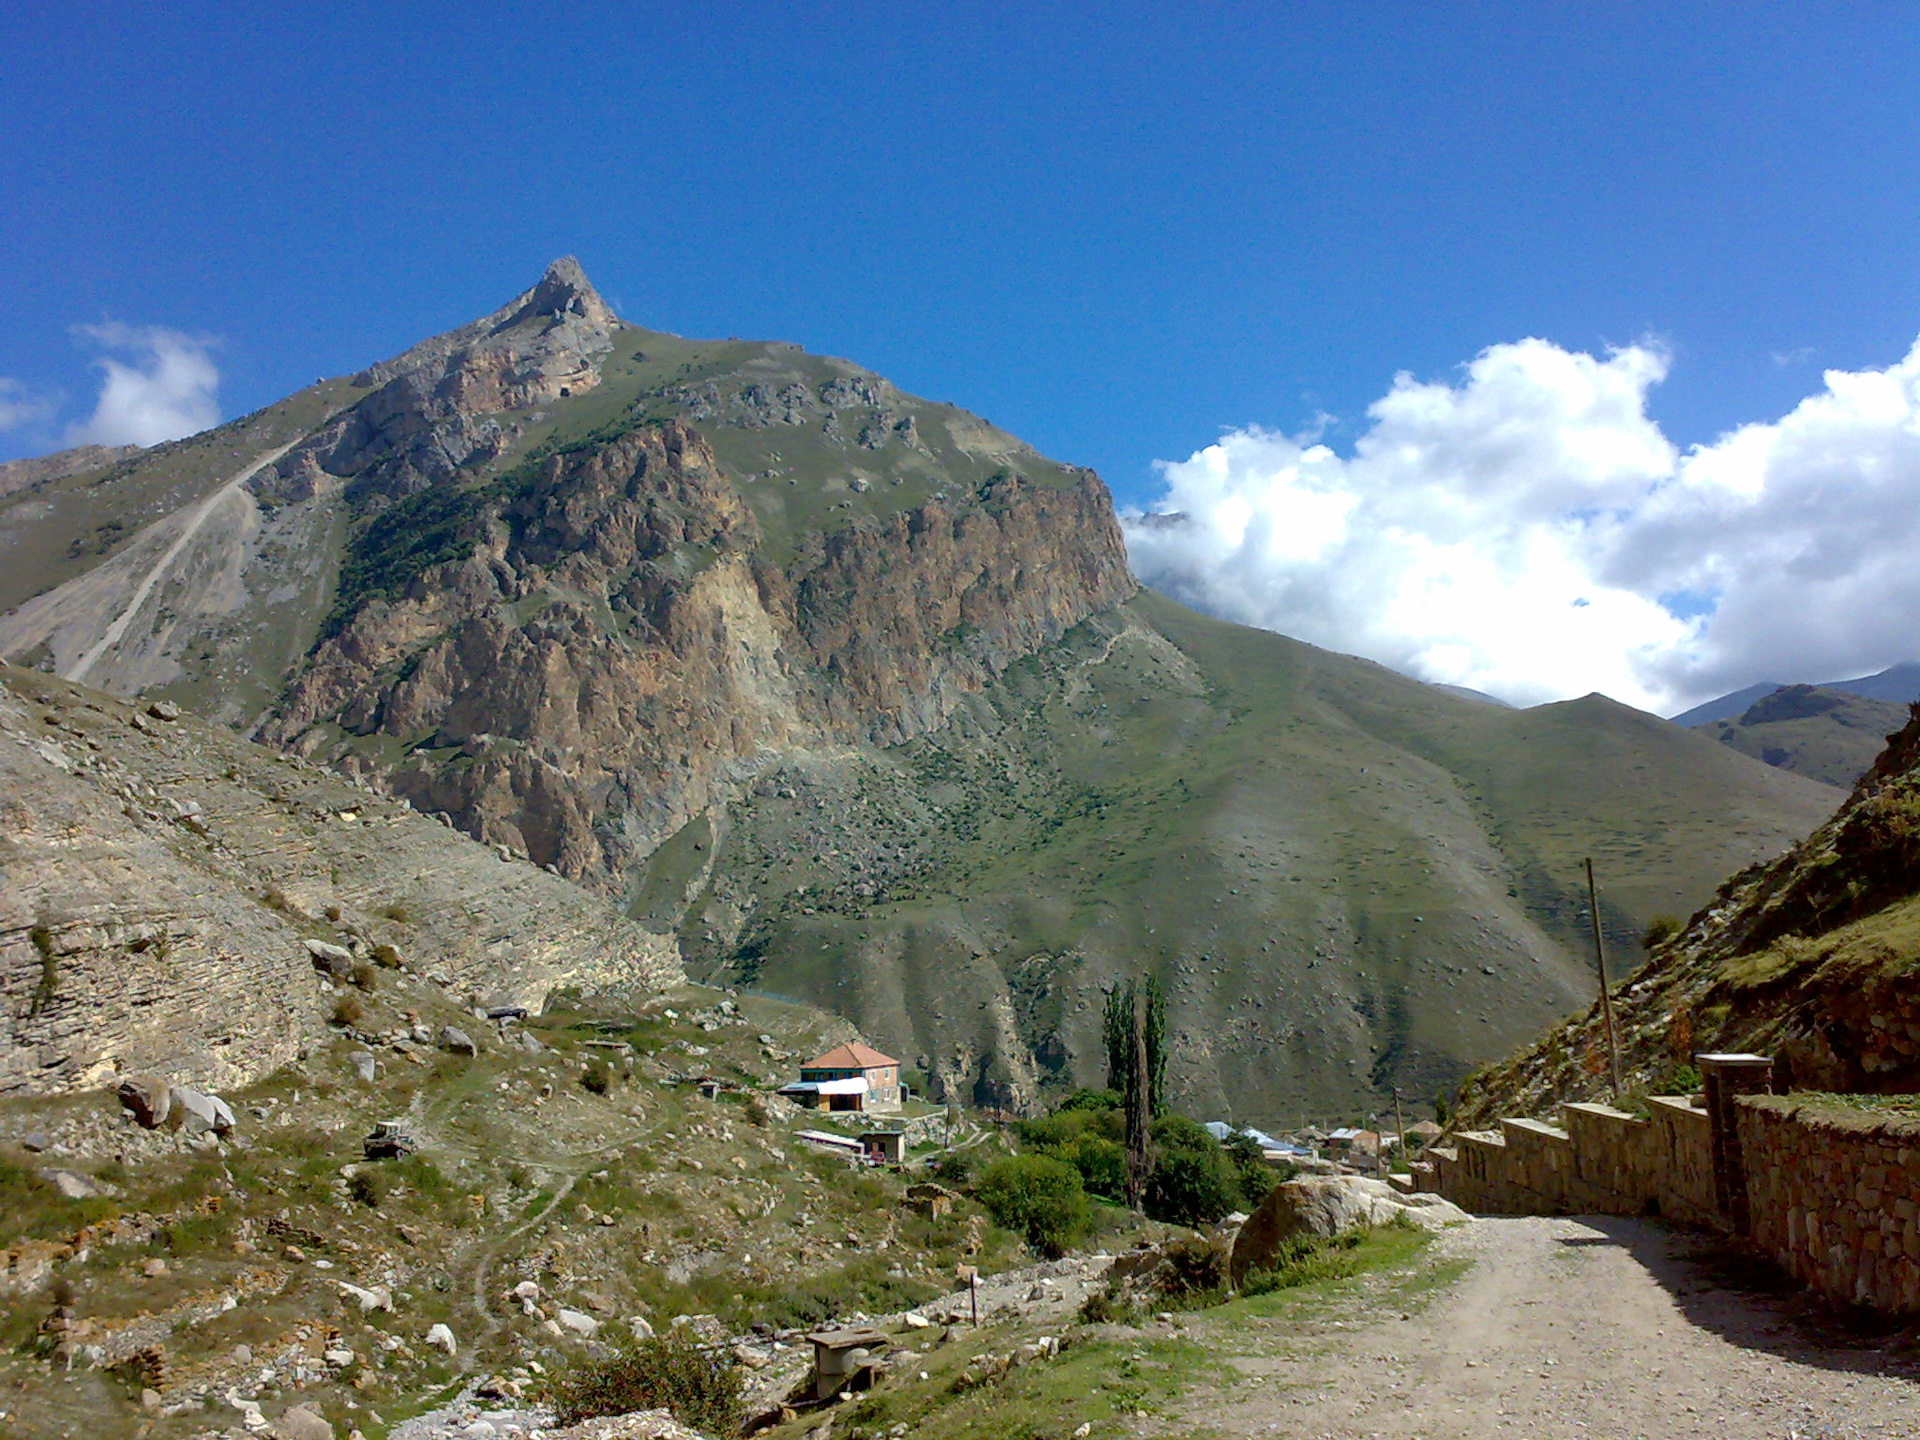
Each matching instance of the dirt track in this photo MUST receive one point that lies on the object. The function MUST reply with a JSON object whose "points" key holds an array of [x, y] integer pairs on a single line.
{"points": [[1603, 1329]]}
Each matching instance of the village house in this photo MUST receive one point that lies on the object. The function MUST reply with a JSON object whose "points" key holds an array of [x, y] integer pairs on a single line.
{"points": [[848, 1077]]}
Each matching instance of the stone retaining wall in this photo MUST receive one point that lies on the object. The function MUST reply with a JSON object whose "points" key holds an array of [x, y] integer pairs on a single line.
{"points": [[1835, 1197], [1598, 1161], [1832, 1194]]}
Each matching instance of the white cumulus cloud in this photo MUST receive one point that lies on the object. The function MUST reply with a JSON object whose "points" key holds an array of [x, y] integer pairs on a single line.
{"points": [[168, 387], [1528, 530]]}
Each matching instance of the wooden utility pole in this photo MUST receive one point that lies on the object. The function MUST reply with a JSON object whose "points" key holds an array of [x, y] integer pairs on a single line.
{"points": [[1399, 1123], [1600, 964]]}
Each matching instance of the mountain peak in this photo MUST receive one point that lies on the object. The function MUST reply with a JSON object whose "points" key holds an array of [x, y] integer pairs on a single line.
{"points": [[566, 290]]}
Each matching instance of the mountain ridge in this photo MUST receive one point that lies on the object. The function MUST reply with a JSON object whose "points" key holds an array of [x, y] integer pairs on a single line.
{"points": [[856, 695]]}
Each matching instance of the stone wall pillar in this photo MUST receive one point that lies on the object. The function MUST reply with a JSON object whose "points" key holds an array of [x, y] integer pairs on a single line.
{"points": [[1729, 1077]]}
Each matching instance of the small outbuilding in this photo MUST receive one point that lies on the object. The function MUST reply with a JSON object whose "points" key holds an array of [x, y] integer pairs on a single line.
{"points": [[845, 1360], [884, 1147]]}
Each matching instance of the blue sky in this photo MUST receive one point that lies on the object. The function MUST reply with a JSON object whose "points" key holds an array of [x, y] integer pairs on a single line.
{"points": [[1116, 230]]}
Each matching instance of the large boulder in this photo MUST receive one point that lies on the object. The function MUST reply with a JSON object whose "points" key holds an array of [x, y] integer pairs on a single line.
{"points": [[303, 1422], [1322, 1206], [453, 1038], [200, 1114], [333, 961], [148, 1098]]}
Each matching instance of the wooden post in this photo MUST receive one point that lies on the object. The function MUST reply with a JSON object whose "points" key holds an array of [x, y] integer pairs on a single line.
{"points": [[1400, 1123], [971, 1274], [1600, 964]]}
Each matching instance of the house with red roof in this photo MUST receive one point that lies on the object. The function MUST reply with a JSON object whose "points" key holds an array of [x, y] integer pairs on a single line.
{"points": [[848, 1077]]}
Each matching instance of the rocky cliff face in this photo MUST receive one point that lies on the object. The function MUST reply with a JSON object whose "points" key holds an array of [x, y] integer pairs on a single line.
{"points": [[616, 645], [158, 880]]}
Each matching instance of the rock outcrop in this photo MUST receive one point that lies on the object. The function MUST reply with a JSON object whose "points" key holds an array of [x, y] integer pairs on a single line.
{"points": [[614, 644], [1318, 1207], [37, 470]]}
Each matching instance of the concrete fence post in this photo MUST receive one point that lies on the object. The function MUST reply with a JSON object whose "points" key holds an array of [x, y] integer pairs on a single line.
{"points": [[1727, 1078]]}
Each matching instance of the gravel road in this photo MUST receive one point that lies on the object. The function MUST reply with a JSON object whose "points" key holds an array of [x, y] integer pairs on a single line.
{"points": [[1598, 1328]]}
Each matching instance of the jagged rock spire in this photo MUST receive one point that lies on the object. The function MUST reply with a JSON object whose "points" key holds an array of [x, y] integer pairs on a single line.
{"points": [[565, 289]]}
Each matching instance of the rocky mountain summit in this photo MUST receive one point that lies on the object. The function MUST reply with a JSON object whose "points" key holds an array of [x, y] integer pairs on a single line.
{"points": [[854, 695]]}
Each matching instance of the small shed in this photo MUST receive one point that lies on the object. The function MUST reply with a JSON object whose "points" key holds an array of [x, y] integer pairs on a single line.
{"points": [[845, 1359], [884, 1147]]}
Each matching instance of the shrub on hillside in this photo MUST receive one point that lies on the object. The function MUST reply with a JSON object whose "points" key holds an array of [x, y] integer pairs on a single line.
{"points": [[1087, 1133], [1091, 1100], [700, 1385], [1254, 1176], [1193, 1181], [1035, 1196], [955, 1167], [1661, 929]]}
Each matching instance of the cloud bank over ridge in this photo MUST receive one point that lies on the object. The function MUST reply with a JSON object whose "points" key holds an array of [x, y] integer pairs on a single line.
{"points": [[170, 389], [1527, 530]]}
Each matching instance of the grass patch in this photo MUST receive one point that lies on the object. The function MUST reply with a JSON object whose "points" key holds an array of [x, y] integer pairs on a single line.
{"points": [[1317, 1268], [1100, 1383]]}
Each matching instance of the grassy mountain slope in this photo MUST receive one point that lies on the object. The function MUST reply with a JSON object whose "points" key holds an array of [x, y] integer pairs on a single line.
{"points": [[1811, 958], [1826, 735], [1345, 879]]}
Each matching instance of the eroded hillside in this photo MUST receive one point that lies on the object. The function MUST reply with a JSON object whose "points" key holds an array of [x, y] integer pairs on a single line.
{"points": [[160, 877], [1346, 880]]}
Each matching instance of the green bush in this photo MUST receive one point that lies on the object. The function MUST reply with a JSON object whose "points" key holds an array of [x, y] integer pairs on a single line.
{"points": [[1102, 1164], [1196, 1270], [956, 1167], [1193, 1181], [597, 1078], [1251, 1171], [698, 1384], [1680, 1080], [1661, 929], [366, 1187], [1091, 1100], [1035, 1196]]}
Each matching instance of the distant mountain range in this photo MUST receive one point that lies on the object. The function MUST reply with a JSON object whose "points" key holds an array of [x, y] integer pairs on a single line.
{"points": [[1829, 733], [1898, 685]]}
